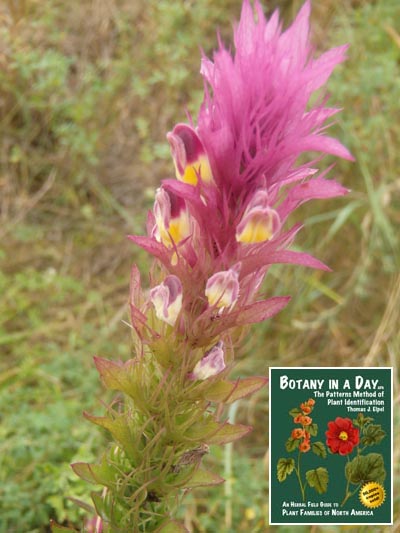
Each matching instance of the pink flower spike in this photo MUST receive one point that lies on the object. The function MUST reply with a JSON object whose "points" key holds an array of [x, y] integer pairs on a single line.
{"points": [[172, 222], [167, 299], [222, 289], [190, 158], [211, 364]]}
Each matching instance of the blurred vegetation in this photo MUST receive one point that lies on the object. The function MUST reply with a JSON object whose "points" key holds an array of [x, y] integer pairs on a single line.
{"points": [[87, 92]]}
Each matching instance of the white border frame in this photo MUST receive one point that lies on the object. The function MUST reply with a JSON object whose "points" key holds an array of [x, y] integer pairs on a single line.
{"points": [[391, 447]]}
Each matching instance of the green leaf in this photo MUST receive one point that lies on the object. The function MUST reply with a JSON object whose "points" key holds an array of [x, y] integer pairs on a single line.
{"points": [[214, 433], [318, 479], [372, 434], [292, 444], [100, 505], [228, 433], [362, 420], [366, 468], [120, 430], [319, 449], [84, 471], [284, 468], [99, 474], [294, 412], [204, 478], [83, 505], [115, 375], [312, 429], [228, 392]]}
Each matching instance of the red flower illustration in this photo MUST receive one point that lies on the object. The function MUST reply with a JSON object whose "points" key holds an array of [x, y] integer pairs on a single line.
{"points": [[342, 436]]}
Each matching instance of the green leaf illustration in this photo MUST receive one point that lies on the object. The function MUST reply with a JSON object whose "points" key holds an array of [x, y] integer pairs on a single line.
{"points": [[292, 444], [319, 449], [312, 429], [294, 412], [318, 479], [284, 468], [373, 434], [362, 420], [366, 468]]}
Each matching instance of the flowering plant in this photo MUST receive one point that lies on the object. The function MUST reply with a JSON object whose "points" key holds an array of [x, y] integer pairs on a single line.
{"points": [[345, 436], [214, 231], [300, 439], [342, 436]]}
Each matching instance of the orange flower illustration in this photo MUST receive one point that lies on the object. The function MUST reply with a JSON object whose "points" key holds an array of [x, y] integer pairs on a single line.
{"points": [[305, 446], [300, 440], [305, 420], [298, 433], [306, 408]]}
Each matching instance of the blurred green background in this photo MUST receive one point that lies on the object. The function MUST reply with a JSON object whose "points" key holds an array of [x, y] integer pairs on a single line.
{"points": [[88, 90]]}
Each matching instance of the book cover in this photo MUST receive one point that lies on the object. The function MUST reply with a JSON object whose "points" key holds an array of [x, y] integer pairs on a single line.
{"points": [[331, 445]]}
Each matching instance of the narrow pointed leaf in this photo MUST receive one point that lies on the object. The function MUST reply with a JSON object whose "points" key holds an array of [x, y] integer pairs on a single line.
{"points": [[115, 376], [99, 505], [229, 433], [262, 310], [228, 392], [84, 471], [103, 473], [317, 188], [297, 258], [261, 253], [83, 505], [215, 433], [325, 144], [119, 428], [204, 478], [151, 246]]}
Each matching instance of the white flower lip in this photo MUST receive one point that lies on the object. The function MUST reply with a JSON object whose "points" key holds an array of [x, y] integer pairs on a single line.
{"points": [[167, 299]]}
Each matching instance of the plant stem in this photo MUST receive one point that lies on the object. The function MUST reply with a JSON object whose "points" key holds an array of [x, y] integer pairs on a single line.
{"points": [[228, 462], [348, 493], [302, 488]]}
